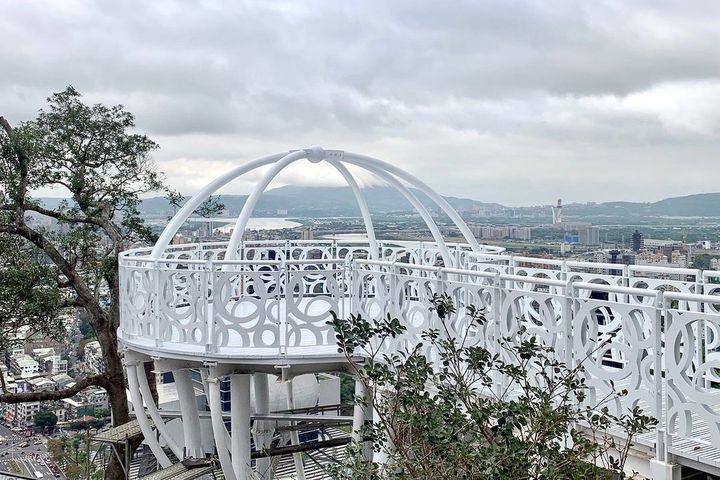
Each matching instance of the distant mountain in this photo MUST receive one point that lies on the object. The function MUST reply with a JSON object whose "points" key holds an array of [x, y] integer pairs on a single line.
{"points": [[322, 201], [339, 201], [699, 205]]}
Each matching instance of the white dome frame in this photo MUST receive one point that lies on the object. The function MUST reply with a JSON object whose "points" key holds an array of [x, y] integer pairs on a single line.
{"points": [[337, 159]]}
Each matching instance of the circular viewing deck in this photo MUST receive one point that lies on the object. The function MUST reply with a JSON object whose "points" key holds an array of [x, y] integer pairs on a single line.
{"points": [[273, 301]]}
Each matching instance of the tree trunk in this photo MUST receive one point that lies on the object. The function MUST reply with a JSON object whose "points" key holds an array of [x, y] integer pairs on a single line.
{"points": [[115, 375]]}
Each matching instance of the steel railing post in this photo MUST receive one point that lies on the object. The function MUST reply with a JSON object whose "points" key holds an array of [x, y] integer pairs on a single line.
{"points": [[569, 321], [207, 281], [497, 340], [156, 295], [661, 394]]}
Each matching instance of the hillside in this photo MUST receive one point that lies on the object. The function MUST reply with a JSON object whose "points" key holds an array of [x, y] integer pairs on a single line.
{"points": [[339, 201], [320, 201], [699, 205]]}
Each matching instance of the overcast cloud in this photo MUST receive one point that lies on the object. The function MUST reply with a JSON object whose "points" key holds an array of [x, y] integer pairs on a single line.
{"points": [[518, 102]]}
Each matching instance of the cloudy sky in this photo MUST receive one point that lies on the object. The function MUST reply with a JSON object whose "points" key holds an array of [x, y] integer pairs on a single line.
{"points": [[518, 102]]}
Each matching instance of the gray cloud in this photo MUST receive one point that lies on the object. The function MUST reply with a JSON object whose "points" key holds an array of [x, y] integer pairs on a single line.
{"points": [[511, 101]]}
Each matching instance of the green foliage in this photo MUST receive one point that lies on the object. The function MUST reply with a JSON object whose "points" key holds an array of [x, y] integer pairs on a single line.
{"points": [[449, 418], [78, 425], [347, 389], [702, 261], [86, 410], [43, 418], [29, 294], [72, 453], [86, 329], [210, 207]]}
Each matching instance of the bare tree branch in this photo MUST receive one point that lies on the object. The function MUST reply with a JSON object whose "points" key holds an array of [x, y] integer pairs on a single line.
{"points": [[80, 385]]}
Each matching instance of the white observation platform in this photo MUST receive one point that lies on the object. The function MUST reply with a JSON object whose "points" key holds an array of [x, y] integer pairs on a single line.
{"points": [[242, 310]]}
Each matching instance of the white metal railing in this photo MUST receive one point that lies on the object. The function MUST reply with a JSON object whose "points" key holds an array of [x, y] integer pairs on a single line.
{"points": [[659, 328]]}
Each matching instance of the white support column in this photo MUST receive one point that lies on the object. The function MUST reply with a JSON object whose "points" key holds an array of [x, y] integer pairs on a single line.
{"points": [[139, 407], [294, 436], [240, 425], [664, 471], [361, 414], [380, 456], [262, 433], [218, 425], [155, 414], [190, 418]]}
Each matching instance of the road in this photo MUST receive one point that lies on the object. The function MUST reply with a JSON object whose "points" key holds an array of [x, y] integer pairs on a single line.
{"points": [[30, 460]]}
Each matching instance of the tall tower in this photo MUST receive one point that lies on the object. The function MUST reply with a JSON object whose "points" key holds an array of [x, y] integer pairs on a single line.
{"points": [[557, 212]]}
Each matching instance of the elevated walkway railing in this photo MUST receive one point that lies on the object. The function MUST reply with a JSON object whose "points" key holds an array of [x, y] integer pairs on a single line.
{"points": [[659, 328]]}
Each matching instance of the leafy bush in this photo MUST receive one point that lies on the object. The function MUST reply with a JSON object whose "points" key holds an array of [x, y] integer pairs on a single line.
{"points": [[452, 418]]}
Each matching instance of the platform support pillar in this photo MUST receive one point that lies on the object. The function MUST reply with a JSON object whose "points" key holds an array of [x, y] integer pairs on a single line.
{"points": [[262, 431], [240, 425], [211, 378], [664, 471], [190, 418], [294, 435], [361, 414]]}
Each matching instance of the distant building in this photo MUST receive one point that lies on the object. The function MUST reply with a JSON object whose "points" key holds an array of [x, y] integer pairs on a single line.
{"points": [[26, 411], [41, 384], [571, 238], [94, 363], [589, 236], [96, 397], [306, 234], [638, 243], [63, 380], [50, 362], [24, 365], [501, 232]]}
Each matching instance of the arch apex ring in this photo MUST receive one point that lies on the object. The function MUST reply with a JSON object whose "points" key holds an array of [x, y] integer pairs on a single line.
{"points": [[315, 154]]}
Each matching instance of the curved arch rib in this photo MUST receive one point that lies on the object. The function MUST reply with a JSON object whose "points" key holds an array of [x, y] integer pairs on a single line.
{"points": [[357, 159], [417, 205], [184, 213], [360, 199], [247, 210], [146, 396]]}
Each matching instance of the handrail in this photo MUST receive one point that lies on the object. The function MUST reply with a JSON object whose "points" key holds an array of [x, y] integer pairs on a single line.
{"points": [[669, 270], [615, 289], [595, 265], [692, 297], [536, 280]]}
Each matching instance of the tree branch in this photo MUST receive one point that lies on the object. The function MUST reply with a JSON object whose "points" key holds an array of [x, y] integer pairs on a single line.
{"points": [[67, 269], [62, 216], [80, 385], [6, 126]]}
